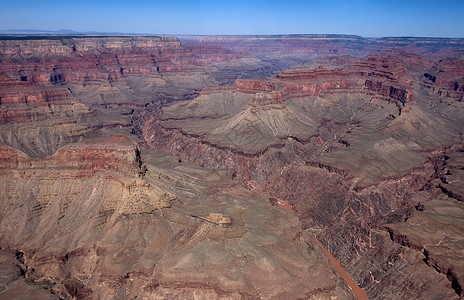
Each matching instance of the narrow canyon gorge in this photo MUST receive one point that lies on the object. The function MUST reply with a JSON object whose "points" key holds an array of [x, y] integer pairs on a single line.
{"points": [[231, 167]]}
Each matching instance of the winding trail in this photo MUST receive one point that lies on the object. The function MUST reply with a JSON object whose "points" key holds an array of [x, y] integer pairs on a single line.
{"points": [[358, 292]]}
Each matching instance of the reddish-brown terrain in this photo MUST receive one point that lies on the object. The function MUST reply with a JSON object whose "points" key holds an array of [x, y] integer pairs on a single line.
{"points": [[202, 167]]}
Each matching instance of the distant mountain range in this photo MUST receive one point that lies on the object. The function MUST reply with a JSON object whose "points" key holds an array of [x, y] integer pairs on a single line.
{"points": [[60, 32]]}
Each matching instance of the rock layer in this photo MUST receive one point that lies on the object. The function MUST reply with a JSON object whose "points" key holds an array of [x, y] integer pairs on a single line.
{"points": [[350, 148]]}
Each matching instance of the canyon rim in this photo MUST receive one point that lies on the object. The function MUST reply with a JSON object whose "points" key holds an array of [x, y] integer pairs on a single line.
{"points": [[210, 167]]}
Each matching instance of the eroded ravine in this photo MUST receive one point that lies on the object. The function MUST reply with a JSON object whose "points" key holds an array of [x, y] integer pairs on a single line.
{"points": [[359, 292], [347, 179]]}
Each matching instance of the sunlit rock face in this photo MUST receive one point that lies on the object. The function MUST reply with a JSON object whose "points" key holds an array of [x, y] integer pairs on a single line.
{"points": [[354, 145], [202, 167]]}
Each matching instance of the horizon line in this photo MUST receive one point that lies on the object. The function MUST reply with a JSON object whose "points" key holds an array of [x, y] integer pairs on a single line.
{"points": [[70, 33]]}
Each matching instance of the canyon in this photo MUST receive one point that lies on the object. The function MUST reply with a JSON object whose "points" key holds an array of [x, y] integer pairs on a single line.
{"points": [[210, 167]]}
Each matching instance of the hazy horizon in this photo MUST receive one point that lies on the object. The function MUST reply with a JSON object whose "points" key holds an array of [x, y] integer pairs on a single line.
{"points": [[204, 17], [71, 33]]}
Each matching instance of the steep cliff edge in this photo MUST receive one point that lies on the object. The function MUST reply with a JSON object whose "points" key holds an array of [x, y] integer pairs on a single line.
{"points": [[54, 90], [98, 218]]}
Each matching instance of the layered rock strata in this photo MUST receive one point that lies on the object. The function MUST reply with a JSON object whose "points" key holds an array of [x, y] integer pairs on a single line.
{"points": [[362, 152], [97, 221], [351, 147]]}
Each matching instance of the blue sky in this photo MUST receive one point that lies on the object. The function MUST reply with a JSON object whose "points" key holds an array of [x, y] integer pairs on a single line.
{"points": [[440, 18]]}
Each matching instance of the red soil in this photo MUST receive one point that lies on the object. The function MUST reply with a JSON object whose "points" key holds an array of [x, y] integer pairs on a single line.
{"points": [[359, 292]]}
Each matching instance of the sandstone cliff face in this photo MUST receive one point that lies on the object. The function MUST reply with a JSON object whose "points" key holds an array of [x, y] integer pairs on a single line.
{"points": [[67, 84], [37, 120]]}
